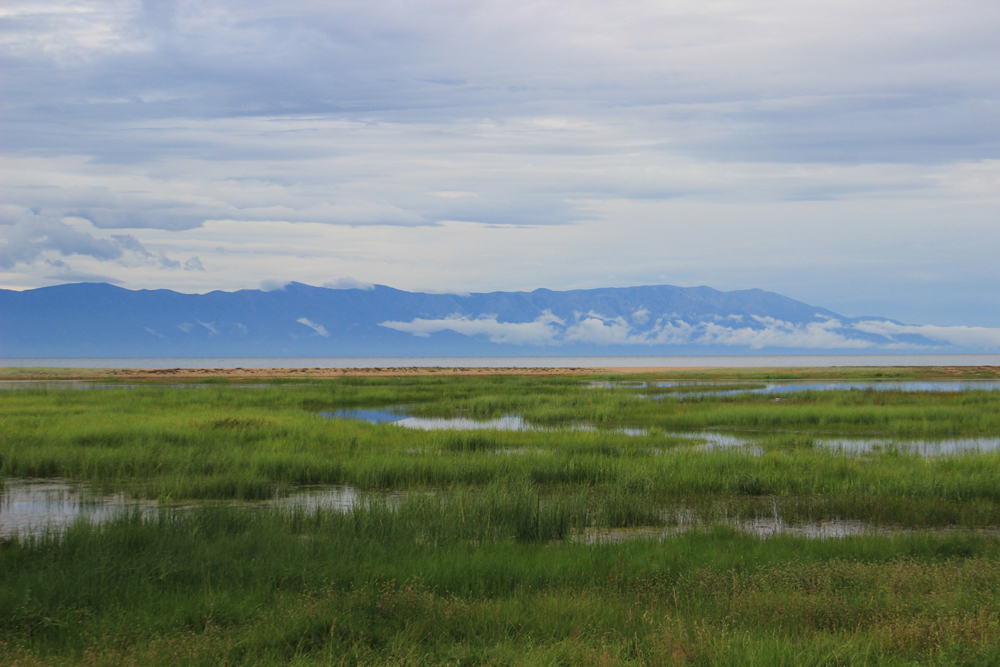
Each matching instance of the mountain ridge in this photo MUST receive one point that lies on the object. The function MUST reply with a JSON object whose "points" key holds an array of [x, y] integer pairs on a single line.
{"points": [[103, 320]]}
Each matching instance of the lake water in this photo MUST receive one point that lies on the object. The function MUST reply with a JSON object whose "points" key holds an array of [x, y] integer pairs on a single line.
{"points": [[728, 361]]}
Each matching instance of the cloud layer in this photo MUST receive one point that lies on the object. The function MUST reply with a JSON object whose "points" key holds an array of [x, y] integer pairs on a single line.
{"points": [[844, 152], [760, 333]]}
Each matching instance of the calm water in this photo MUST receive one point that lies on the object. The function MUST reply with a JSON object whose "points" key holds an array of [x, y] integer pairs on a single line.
{"points": [[684, 389], [731, 361], [771, 527], [29, 507], [707, 440], [399, 417]]}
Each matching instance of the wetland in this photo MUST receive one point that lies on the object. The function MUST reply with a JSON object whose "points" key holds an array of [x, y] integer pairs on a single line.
{"points": [[744, 517]]}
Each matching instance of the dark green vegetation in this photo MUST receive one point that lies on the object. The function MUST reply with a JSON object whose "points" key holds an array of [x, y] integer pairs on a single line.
{"points": [[479, 560]]}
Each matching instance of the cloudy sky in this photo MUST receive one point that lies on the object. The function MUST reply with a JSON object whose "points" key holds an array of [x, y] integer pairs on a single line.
{"points": [[839, 152]]}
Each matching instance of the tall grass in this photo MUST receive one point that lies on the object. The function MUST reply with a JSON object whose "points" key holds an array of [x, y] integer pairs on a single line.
{"points": [[250, 443], [375, 585], [474, 563]]}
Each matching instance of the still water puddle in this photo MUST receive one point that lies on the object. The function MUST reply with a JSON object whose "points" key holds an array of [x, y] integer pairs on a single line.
{"points": [[926, 448], [399, 417], [851, 446], [683, 390], [707, 440], [29, 507], [764, 528]]}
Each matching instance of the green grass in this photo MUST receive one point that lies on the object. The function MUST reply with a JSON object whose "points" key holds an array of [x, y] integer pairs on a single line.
{"points": [[412, 585], [477, 561], [250, 443]]}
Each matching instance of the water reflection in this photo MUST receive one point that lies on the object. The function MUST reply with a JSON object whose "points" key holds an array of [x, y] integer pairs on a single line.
{"points": [[29, 507], [372, 416], [695, 389], [882, 385], [765, 528], [926, 448], [752, 445], [338, 498], [852, 445], [399, 417]]}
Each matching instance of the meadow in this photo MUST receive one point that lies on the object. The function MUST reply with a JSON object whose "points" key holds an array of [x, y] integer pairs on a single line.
{"points": [[578, 542]]}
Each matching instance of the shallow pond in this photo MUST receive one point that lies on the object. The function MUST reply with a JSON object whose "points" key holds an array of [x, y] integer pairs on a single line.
{"points": [[29, 506], [852, 445], [693, 389], [764, 528], [708, 440], [399, 417]]}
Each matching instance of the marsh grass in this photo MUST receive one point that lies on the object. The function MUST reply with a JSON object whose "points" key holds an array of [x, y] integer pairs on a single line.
{"points": [[250, 443], [472, 563], [417, 581]]}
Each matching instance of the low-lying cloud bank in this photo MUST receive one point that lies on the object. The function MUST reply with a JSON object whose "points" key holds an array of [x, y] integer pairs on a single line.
{"points": [[759, 333]]}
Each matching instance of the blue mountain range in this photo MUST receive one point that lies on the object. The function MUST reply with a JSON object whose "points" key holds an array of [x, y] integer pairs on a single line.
{"points": [[101, 320]]}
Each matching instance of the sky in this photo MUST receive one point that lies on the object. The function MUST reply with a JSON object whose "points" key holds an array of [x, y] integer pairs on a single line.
{"points": [[843, 153]]}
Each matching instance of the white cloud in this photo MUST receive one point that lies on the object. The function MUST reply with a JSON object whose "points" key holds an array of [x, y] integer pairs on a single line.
{"points": [[959, 336], [347, 282], [318, 328], [539, 332], [271, 285], [598, 330], [778, 333]]}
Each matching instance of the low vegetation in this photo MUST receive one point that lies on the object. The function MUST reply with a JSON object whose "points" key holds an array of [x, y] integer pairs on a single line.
{"points": [[494, 547]]}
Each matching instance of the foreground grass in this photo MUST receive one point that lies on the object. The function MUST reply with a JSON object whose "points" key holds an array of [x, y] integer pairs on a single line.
{"points": [[477, 563], [222, 586]]}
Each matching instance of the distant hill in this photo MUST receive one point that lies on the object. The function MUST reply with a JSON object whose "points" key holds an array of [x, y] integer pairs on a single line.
{"points": [[100, 320]]}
